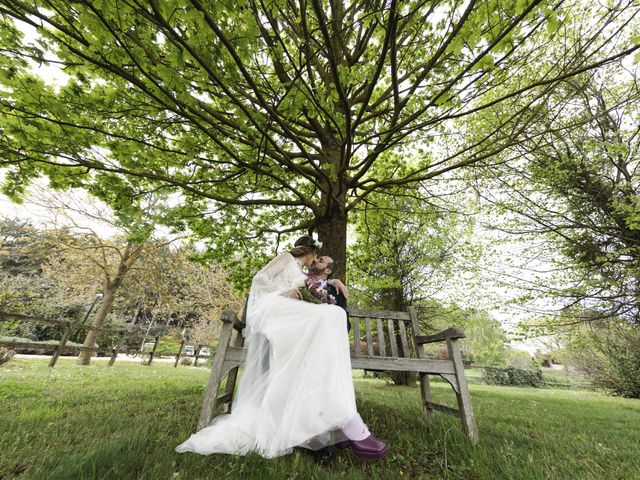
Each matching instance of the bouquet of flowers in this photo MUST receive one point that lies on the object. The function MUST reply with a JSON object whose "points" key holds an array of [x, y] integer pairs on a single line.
{"points": [[316, 290]]}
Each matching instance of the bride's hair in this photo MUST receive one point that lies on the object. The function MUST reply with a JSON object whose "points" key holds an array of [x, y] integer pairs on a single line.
{"points": [[303, 246]]}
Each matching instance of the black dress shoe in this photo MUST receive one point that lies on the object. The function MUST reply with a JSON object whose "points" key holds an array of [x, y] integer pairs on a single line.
{"points": [[323, 457], [344, 444]]}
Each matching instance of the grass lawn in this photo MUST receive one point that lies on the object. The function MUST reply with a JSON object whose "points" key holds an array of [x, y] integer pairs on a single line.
{"points": [[124, 422]]}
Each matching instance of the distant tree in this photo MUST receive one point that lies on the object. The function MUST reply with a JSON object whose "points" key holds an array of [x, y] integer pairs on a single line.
{"points": [[23, 247], [162, 286], [170, 285], [406, 250], [24, 252], [486, 339], [576, 185]]}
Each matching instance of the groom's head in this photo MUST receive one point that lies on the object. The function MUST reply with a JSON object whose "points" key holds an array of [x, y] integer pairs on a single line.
{"points": [[323, 266]]}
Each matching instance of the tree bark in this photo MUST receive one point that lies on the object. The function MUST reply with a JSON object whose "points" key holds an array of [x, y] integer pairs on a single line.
{"points": [[399, 303], [333, 235], [332, 221]]}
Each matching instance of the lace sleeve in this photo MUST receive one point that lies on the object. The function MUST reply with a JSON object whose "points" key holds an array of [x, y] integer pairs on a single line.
{"points": [[264, 281]]}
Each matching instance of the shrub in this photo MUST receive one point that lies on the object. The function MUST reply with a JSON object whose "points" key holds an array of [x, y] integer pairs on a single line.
{"points": [[186, 361], [610, 355], [441, 352], [47, 346], [512, 376]]}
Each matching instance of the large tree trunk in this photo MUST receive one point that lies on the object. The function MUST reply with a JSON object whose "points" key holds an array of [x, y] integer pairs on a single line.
{"points": [[333, 235], [90, 340], [398, 303], [332, 223]]}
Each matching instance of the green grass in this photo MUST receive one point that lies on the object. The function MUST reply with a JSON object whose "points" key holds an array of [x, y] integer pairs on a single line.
{"points": [[124, 422], [563, 377], [554, 378]]}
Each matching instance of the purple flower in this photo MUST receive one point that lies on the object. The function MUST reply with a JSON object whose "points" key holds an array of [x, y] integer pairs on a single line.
{"points": [[319, 288]]}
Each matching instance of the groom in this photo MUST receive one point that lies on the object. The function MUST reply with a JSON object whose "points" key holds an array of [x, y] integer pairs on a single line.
{"points": [[336, 291]]}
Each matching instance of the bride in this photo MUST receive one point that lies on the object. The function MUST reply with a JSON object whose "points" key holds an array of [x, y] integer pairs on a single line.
{"points": [[296, 388]]}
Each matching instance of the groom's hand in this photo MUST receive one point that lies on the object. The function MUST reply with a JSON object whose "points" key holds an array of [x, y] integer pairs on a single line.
{"points": [[342, 288]]}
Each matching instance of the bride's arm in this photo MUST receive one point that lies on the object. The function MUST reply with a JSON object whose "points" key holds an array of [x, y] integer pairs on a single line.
{"points": [[264, 283]]}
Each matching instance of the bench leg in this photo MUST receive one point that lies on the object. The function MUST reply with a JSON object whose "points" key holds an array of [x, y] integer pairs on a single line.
{"points": [[425, 391], [233, 374], [464, 399], [211, 394], [425, 388]]}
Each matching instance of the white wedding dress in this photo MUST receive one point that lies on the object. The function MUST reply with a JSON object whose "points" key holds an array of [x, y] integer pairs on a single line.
{"points": [[296, 388]]}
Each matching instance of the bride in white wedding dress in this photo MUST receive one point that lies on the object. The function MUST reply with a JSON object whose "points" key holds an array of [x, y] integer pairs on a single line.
{"points": [[296, 388]]}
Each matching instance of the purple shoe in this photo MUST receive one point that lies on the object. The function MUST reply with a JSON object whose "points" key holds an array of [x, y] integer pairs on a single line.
{"points": [[344, 444], [370, 448]]}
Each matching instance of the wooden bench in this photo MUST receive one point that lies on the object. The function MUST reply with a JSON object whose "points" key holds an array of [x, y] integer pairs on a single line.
{"points": [[387, 348]]}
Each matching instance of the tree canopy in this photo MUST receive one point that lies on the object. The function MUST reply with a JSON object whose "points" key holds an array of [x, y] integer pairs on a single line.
{"points": [[247, 105]]}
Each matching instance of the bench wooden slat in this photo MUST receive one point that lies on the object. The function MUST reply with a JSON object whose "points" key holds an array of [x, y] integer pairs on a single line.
{"points": [[443, 408], [229, 316], [356, 336], [386, 314], [233, 373], [393, 343], [367, 326], [236, 355], [381, 345], [388, 364], [224, 398], [403, 339], [219, 359]]}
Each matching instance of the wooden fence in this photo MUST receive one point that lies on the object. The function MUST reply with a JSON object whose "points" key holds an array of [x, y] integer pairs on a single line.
{"points": [[70, 327]]}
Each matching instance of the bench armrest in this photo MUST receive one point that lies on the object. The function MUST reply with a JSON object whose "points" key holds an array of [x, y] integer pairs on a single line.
{"points": [[229, 316], [448, 334]]}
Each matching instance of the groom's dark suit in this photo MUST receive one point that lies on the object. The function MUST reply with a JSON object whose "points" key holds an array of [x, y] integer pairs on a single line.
{"points": [[340, 301]]}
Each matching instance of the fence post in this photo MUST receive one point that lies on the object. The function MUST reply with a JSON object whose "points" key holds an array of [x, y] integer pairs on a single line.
{"points": [[195, 362], [61, 345], [179, 353], [155, 347], [114, 355]]}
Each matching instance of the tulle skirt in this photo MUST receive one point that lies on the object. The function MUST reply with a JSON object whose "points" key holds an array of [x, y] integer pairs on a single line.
{"points": [[296, 388]]}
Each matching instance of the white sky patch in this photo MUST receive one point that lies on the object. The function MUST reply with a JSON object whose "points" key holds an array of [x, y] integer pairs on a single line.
{"points": [[50, 73], [85, 213]]}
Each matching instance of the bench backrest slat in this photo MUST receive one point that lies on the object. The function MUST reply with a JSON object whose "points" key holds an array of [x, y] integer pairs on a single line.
{"points": [[381, 342], [403, 340], [356, 335], [367, 326], [368, 329], [353, 312], [393, 343]]}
